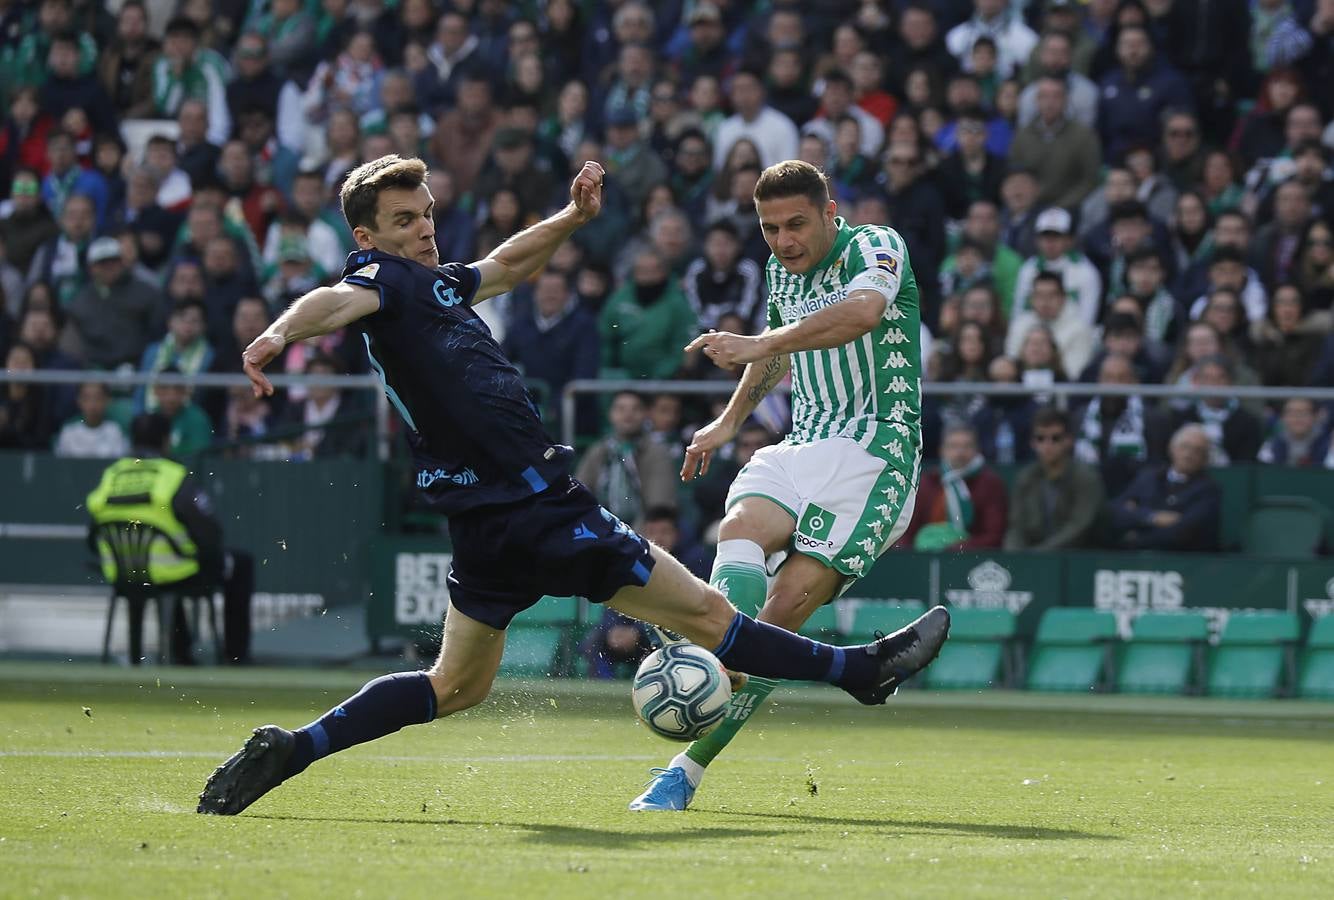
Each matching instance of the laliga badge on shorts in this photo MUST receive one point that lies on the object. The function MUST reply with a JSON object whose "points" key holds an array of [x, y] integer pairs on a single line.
{"points": [[816, 523]]}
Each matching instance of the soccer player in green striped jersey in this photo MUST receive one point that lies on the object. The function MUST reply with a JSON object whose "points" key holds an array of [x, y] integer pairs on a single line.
{"points": [[839, 491]]}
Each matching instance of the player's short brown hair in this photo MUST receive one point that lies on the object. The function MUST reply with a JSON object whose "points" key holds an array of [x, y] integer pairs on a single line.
{"points": [[793, 178], [360, 195]]}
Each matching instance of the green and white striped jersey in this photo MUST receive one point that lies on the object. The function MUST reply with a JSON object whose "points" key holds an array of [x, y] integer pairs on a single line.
{"points": [[870, 389]]}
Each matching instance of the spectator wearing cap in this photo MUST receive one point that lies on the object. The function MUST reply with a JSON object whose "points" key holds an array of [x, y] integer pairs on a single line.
{"points": [[1063, 153], [116, 314], [256, 85], [186, 70], [705, 51], [295, 272], [971, 172], [463, 135], [125, 65], [993, 19], [773, 133], [836, 102], [1300, 437], [1055, 59], [1056, 500], [1047, 305], [29, 223], [721, 282], [68, 87], [1135, 93], [630, 162], [513, 165], [1234, 433], [60, 262], [1172, 507], [1057, 253]]}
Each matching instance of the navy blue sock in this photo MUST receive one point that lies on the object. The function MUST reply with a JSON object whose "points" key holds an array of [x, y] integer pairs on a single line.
{"points": [[381, 707], [758, 648]]}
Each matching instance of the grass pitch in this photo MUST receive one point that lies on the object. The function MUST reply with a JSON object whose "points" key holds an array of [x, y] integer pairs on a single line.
{"points": [[932, 796]]}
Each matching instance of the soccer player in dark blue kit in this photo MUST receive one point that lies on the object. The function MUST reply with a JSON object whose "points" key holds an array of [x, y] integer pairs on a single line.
{"points": [[521, 527]]}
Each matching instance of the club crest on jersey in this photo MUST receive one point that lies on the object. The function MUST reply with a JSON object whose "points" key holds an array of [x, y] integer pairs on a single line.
{"points": [[367, 272]]}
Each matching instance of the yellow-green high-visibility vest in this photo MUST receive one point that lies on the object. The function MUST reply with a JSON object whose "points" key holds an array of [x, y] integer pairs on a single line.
{"points": [[140, 491]]}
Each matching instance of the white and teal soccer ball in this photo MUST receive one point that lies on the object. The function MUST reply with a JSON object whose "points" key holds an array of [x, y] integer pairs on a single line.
{"points": [[681, 692]]}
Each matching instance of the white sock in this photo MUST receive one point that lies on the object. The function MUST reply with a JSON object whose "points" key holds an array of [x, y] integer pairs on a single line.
{"points": [[694, 771], [739, 551]]}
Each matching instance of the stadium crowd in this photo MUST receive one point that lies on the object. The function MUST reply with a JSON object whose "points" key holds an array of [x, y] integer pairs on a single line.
{"points": [[1115, 192]]}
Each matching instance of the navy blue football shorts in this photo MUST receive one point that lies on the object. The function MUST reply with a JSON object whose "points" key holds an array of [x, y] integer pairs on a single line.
{"points": [[560, 542]]}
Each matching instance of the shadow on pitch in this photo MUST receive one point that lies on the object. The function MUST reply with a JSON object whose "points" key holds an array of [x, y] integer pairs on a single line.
{"points": [[566, 835], [974, 829]]}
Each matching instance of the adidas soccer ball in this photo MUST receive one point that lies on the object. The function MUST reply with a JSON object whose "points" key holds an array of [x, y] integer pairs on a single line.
{"points": [[681, 692]]}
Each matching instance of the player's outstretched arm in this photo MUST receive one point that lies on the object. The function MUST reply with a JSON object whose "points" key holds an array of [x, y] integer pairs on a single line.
{"points": [[757, 381], [321, 311], [833, 326], [526, 252]]}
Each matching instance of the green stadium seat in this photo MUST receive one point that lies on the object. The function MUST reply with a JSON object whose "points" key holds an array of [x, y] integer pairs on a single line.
{"points": [[823, 623], [1163, 654], [1251, 652], [871, 616], [1070, 650], [533, 651], [974, 657], [1285, 527], [1317, 678]]}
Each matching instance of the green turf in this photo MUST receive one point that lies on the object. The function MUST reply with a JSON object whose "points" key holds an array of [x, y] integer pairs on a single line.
{"points": [[934, 796]]}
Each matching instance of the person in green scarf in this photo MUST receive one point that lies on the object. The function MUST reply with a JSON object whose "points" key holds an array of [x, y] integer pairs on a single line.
{"points": [[962, 505]]}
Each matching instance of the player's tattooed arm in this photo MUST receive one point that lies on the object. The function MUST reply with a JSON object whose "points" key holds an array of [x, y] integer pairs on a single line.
{"points": [[771, 372]]}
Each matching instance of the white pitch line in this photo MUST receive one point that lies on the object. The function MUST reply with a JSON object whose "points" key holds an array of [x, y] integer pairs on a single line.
{"points": [[209, 754]]}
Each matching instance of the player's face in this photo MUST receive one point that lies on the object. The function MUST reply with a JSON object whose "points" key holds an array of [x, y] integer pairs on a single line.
{"points": [[797, 231], [404, 226]]}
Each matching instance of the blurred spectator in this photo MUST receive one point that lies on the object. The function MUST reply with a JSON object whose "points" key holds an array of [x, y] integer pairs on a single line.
{"points": [[631, 84], [915, 208], [25, 418], [557, 341], [1055, 59], [627, 470], [249, 199], [464, 135], [1154, 190], [1019, 196], [647, 322], [1145, 279], [324, 241], [1232, 234], [615, 646], [256, 85], [24, 135], [711, 488], [962, 504], [1056, 500], [1315, 266], [190, 428], [837, 102], [1287, 342], [514, 166], [1112, 429], [1003, 424], [1274, 247], [773, 133], [1191, 230], [1219, 184], [1300, 437], [187, 70], [1135, 93], [1173, 507], [1234, 433], [971, 173], [60, 262], [11, 287], [66, 178], [68, 87], [29, 224], [161, 159], [921, 48], [630, 160], [659, 524], [452, 53], [994, 19], [1049, 307], [184, 348], [720, 282], [1204, 340], [318, 411], [92, 435], [25, 62], [115, 316], [295, 272], [289, 31], [1063, 153], [1057, 253], [1123, 335], [455, 230]]}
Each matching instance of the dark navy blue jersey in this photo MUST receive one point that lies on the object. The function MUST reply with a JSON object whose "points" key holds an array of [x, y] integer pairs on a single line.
{"points": [[476, 435]]}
